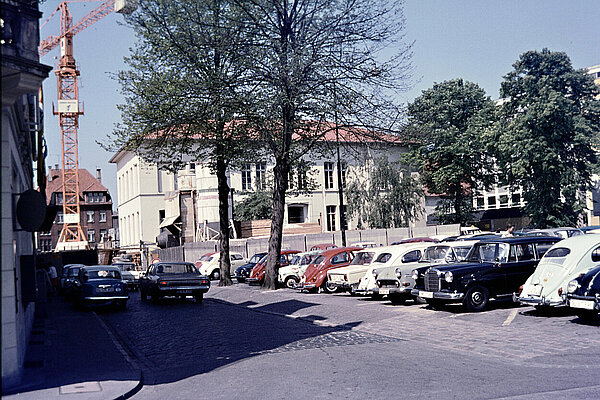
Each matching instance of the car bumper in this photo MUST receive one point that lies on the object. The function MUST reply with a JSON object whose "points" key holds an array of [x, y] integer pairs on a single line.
{"points": [[537, 301], [393, 290], [102, 299], [179, 290], [253, 281], [345, 286], [305, 286], [437, 295], [582, 302]]}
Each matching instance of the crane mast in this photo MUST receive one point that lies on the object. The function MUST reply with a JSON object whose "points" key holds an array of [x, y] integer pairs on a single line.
{"points": [[68, 111]]}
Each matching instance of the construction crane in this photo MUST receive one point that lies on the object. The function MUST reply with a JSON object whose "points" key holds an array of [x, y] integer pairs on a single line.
{"points": [[68, 111]]}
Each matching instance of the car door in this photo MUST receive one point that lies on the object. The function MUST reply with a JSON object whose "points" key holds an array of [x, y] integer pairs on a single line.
{"points": [[521, 263], [494, 264], [145, 278]]}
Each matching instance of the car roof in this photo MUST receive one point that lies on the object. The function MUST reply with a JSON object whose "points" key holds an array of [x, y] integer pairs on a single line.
{"points": [[100, 267], [173, 262], [522, 239], [579, 244]]}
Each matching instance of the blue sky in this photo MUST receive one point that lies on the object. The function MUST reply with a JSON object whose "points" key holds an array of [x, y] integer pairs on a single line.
{"points": [[477, 40]]}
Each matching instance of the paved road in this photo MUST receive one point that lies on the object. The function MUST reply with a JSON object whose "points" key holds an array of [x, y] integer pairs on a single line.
{"points": [[243, 342]]}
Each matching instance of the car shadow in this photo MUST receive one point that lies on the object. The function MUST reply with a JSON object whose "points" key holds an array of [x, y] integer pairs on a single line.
{"points": [[458, 308]]}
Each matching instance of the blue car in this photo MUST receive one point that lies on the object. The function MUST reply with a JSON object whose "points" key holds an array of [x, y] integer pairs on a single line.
{"points": [[100, 284]]}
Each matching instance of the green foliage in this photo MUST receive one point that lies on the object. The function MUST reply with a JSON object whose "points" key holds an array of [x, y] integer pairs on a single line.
{"points": [[258, 205], [448, 123], [391, 197], [545, 139]]}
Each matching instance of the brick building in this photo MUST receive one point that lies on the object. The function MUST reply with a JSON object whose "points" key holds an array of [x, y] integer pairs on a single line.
{"points": [[96, 216]]}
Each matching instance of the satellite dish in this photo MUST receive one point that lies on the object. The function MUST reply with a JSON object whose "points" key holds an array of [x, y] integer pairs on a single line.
{"points": [[31, 210]]}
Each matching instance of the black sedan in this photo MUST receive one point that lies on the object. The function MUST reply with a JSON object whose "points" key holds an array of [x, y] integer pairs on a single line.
{"points": [[179, 279], [100, 284], [69, 275], [241, 273], [583, 294]]}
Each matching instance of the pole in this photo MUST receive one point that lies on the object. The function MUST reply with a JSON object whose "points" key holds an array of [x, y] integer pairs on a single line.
{"points": [[339, 179]]}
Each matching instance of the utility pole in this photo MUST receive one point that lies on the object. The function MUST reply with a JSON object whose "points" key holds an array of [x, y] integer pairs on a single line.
{"points": [[339, 178]]}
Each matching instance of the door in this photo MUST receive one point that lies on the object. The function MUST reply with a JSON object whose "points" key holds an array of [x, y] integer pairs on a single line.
{"points": [[521, 264]]}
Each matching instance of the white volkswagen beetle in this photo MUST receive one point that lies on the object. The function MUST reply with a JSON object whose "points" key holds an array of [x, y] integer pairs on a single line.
{"points": [[209, 264], [563, 262]]}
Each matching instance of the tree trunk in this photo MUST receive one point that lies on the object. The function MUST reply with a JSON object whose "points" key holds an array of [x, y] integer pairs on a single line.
{"points": [[281, 170], [223, 188]]}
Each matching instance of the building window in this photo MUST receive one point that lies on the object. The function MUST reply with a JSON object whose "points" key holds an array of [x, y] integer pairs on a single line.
{"points": [[491, 201], [503, 201], [90, 216], [103, 236], [516, 199], [344, 167], [246, 177], [91, 235], [59, 217], [344, 221], [331, 218], [101, 216], [192, 167], [328, 168], [302, 181], [161, 216], [480, 203], [296, 214], [261, 171], [59, 198]]}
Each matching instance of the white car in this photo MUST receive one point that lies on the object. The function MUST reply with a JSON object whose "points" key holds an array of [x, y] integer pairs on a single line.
{"points": [[396, 280], [563, 262], [347, 278], [386, 256], [364, 245], [208, 264], [289, 276]]}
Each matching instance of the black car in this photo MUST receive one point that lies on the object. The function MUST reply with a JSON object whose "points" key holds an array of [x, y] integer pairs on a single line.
{"points": [[180, 279], [69, 275], [493, 268], [583, 294], [100, 284], [241, 273]]}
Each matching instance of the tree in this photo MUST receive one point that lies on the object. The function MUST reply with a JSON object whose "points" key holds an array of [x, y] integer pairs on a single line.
{"points": [[257, 205], [448, 123], [186, 90], [318, 61], [390, 198], [548, 134]]}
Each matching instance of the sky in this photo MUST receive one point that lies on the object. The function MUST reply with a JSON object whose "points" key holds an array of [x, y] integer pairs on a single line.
{"points": [[476, 40]]}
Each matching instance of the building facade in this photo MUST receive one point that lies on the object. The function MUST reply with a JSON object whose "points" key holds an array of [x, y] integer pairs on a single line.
{"points": [[22, 76], [96, 214]]}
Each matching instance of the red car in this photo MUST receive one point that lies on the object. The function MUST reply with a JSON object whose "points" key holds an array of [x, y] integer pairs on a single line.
{"points": [[257, 275], [323, 246], [315, 276]]}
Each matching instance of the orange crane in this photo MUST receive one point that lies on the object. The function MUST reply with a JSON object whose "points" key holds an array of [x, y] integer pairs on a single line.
{"points": [[71, 236]]}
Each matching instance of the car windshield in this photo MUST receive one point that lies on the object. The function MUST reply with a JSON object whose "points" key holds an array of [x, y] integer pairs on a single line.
{"points": [[363, 258], [103, 274], [73, 271], [383, 258], [176, 269], [461, 252], [557, 255], [255, 258], [437, 254], [125, 267], [489, 252], [318, 260], [204, 257]]}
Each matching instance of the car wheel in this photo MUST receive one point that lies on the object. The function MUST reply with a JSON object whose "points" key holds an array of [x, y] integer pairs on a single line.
{"points": [[588, 315], [291, 282], [199, 297], [476, 298], [397, 300], [435, 304], [329, 287], [215, 275]]}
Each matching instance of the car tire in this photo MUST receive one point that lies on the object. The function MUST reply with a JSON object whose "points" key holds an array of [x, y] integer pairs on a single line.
{"points": [[199, 297], [215, 275], [476, 298], [291, 282], [397, 300], [588, 315], [329, 287]]}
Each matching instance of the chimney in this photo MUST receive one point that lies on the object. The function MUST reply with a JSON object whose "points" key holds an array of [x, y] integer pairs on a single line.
{"points": [[56, 166], [99, 175], [50, 174]]}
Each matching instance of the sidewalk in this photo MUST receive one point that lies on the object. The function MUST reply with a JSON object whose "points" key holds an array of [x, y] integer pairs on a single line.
{"points": [[73, 355]]}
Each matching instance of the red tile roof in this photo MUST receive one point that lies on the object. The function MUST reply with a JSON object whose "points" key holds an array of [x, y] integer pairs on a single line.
{"points": [[87, 183]]}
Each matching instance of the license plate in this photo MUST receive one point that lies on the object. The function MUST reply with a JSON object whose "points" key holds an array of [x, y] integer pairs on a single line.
{"points": [[536, 290], [585, 304], [184, 291], [104, 290], [384, 291], [425, 295]]}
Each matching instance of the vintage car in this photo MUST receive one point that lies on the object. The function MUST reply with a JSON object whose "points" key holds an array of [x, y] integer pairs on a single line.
{"points": [[315, 277], [563, 233], [364, 245], [210, 266], [583, 294], [396, 280], [347, 278], [416, 240], [129, 273], [242, 272], [289, 276], [69, 274], [322, 246], [494, 268], [384, 257], [561, 264], [100, 284], [179, 279], [257, 275]]}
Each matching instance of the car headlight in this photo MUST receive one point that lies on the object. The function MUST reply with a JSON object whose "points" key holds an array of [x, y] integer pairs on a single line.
{"points": [[398, 273], [415, 274], [572, 286], [448, 276]]}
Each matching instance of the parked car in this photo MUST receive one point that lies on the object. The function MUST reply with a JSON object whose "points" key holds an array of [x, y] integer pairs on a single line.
{"points": [[210, 266], [257, 275], [396, 280], [364, 245], [563, 233], [242, 272], [100, 284], [565, 261], [129, 273], [322, 246], [69, 274], [415, 240], [494, 268], [590, 229], [384, 257], [289, 276], [347, 278], [180, 279], [583, 294], [315, 276]]}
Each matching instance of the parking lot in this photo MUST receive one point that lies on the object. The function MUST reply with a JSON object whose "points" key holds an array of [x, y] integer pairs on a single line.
{"points": [[244, 342]]}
